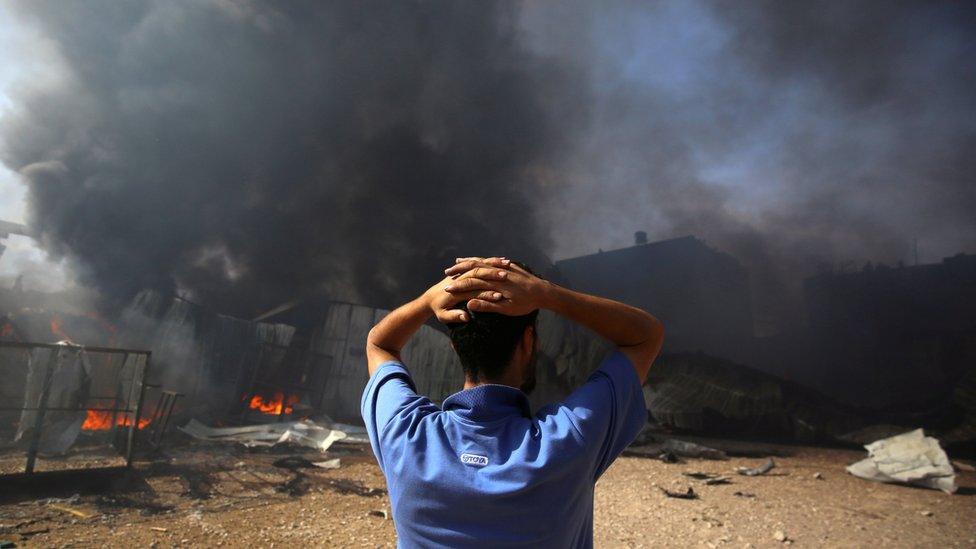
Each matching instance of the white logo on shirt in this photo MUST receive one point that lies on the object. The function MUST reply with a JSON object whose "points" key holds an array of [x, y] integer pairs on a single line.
{"points": [[474, 459]]}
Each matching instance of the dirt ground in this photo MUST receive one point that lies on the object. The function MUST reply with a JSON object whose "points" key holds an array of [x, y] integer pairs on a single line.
{"points": [[218, 496]]}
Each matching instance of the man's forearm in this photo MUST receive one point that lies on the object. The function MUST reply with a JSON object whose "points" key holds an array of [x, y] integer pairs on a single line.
{"points": [[634, 331], [390, 335]]}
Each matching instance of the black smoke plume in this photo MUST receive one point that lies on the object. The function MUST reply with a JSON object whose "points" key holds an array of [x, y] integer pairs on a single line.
{"points": [[250, 152], [246, 153]]}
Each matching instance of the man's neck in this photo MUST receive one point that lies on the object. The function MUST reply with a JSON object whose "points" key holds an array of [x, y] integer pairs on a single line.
{"points": [[508, 380]]}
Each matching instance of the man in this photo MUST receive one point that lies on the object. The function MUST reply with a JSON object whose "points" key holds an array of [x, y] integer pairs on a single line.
{"points": [[482, 470]]}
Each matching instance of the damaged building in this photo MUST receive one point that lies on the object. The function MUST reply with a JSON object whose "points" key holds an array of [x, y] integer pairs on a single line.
{"points": [[701, 294]]}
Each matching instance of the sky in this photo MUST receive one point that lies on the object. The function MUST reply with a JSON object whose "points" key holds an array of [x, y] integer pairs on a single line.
{"points": [[21, 59], [23, 255]]}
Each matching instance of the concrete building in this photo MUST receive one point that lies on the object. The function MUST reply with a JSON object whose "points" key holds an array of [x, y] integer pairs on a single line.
{"points": [[700, 294]]}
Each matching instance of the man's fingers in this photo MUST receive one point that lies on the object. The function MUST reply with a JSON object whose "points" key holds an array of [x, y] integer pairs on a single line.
{"points": [[474, 258], [451, 316], [482, 306], [461, 297], [463, 285], [486, 273], [467, 264]]}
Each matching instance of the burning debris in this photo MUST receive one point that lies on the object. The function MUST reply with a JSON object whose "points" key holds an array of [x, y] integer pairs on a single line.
{"points": [[102, 420], [276, 405], [70, 390]]}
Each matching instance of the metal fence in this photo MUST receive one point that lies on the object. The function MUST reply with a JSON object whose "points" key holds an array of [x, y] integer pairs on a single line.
{"points": [[64, 406]]}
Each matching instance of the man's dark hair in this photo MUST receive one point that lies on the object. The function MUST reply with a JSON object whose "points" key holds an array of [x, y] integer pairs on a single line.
{"points": [[486, 342]]}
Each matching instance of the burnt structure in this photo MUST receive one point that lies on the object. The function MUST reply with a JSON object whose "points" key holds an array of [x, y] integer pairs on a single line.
{"points": [[881, 302], [700, 294], [901, 337]]}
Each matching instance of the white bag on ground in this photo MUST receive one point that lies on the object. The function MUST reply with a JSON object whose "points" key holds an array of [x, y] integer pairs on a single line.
{"points": [[909, 458]]}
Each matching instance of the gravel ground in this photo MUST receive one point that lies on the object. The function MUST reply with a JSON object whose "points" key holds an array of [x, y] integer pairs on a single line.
{"points": [[205, 496]]}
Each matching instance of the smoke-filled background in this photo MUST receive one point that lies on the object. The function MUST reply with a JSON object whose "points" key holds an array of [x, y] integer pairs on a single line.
{"points": [[247, 153]]}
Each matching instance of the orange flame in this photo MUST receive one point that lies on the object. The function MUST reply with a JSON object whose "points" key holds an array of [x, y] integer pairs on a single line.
{"points": [[101, 420], [110, 328], [56, 328], [275, 404]]}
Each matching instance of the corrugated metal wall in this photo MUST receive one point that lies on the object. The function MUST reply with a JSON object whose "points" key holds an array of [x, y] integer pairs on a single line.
{"points": [[567, 353], [342, 336]]}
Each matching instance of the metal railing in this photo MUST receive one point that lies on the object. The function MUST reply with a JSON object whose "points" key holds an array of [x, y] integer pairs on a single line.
{"points": [[126, 403]]}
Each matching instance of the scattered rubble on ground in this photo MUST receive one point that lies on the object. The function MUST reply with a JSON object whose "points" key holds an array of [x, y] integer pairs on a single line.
{"points": [[766, 467], [657, 446], [303, 433], [708, 479], [208, 494], [688, 494]]}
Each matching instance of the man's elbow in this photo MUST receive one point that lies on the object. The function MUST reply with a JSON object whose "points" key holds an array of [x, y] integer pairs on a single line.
{"points": [[656, 332]]}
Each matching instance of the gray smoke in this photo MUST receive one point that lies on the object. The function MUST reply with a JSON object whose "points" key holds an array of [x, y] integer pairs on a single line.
{"points": [[247, 153], [794, 135], [252, 152]]}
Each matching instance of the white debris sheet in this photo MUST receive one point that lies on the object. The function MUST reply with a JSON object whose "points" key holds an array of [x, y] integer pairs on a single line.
{"points": [[304, 433], [354, 433], [909, 458]]}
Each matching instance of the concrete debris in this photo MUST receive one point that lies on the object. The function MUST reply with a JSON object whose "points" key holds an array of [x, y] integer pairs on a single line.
{"points": [[754, 472], [327, 464], [380, 513], [354, 433], [293, 462], [698, 475], [708, 479], [662, 446], [689, 494], [818, 476], [926, 513], [73, 499], [910, 458], [668, 457], [303, 433], [744, 494], [780, 536]]}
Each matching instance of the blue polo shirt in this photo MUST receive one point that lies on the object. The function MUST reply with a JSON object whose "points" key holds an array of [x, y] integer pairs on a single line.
{"points": [[482, 471]]}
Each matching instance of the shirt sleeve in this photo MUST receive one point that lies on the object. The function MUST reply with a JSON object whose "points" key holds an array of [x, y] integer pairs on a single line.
{"points": [[388, 393], [608, 410]]}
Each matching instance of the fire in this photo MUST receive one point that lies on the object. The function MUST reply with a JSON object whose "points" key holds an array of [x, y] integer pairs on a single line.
{"points": [[56, 328], [101, 420], [109, 328], [275, 404]]}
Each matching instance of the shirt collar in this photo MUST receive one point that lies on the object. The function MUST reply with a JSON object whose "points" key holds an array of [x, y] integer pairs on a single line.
{"points": [[488, 402]]}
